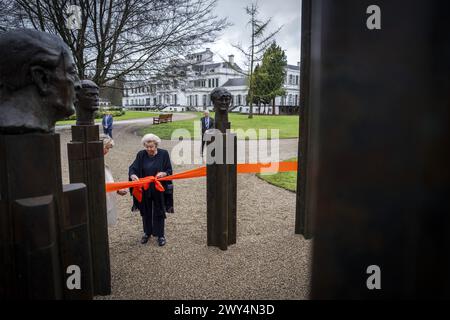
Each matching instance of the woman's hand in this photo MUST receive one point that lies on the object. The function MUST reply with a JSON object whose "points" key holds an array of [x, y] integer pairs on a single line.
{"points": [[161, 175], [134, 177], [122, 192]]}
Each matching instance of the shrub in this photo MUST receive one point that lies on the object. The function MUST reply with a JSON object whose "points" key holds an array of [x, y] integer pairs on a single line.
{"points": [[99, 114]]}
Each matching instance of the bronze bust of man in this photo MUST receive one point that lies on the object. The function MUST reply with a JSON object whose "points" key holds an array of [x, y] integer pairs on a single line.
{"points": [[221, 99], [38, 80], [87, 102]]}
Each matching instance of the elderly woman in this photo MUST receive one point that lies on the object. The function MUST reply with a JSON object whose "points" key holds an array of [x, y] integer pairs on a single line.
{"points": [[111, 209], [152, 161]]}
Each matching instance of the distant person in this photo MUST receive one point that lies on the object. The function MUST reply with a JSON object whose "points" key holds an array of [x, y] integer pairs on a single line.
{"points": [[107, 124], [207, 123], [111, 209], [152, 161]]}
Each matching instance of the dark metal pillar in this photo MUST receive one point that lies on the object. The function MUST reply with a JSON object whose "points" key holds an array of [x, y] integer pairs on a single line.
{"points": [[222, 194], [379, 124], [303, 218], [231, 144], [43, 229], [75, 239], [86, 165]]}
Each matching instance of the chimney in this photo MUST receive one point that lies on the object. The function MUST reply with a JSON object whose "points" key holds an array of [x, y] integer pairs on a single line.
{"points": [[207, 49], [298, 64], [231, 59]]}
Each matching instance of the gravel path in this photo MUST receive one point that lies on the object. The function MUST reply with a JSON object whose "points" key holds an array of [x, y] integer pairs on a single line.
{"points": [[268, 262]]}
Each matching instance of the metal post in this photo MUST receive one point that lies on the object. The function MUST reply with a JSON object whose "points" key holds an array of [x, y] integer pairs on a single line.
{"points": [[86, 165], [222, 194], [379, 122]]}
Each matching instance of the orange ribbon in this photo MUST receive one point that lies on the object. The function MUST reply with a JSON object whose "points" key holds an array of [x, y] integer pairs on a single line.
{"points": [[269, 167], [144, 183]]}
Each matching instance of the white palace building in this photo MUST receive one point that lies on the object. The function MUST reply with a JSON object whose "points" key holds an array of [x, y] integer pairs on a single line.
{"points": [[187, 85]]}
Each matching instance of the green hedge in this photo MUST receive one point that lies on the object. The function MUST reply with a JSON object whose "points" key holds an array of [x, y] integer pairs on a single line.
{"points": [[113, 108], [116, 112]]}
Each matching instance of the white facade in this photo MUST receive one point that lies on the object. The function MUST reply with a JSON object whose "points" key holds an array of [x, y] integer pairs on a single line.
{"points": [[194, 79], [104, 102]]}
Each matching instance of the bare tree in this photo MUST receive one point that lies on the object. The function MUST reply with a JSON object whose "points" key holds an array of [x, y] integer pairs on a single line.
{"points": [[117, 38], [258, 45]]}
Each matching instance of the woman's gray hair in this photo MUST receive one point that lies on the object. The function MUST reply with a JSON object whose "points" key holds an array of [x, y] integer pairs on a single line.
{"points": [[150, 137], [107, 140]]}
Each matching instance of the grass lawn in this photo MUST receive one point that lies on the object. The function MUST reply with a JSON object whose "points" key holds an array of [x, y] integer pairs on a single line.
{"points": [[164, 130], [285, 180], [127, 116], [288, 125]]}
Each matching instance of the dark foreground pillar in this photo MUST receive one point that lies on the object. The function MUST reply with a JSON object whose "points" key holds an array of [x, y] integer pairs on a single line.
{"points": [[86, 165], [222, 193], [75, 239], [30, 202], [379, 121]]}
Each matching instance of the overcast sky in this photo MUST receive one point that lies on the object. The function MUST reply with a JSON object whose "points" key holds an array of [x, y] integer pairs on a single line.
{"points": [[282, 12]]}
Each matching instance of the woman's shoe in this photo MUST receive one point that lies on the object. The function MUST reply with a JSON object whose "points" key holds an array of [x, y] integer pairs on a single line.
{"points": [[144, 239], [161, 241]]}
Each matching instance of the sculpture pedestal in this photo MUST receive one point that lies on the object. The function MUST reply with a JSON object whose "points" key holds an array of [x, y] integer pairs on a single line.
{"points": [[221, 190], [86, 165], [35, 246]]}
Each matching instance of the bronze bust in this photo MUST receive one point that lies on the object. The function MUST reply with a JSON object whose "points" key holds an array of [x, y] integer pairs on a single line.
{"points": [[38, 80], [87, 102], [221, 98]]}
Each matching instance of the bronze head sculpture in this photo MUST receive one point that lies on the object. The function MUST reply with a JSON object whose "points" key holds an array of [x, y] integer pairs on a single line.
{"points": [[221, 99], [38, 80], [87, 102]]}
